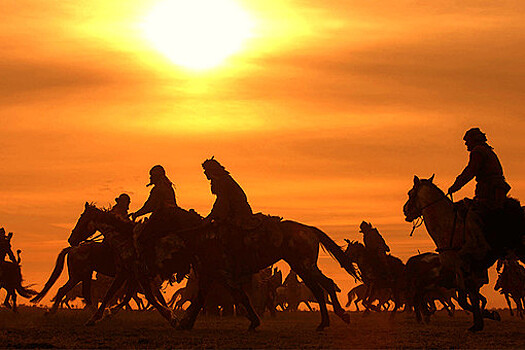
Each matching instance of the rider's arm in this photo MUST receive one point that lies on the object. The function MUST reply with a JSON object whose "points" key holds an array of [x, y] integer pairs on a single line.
{"points": [[151, 204], [11, 255], [470, 171]]}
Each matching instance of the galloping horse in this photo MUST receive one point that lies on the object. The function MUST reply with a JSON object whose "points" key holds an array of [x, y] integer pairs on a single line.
{"points": [[295, 243], [394, 276], [82, 260], [448, 231], [118, 235]]}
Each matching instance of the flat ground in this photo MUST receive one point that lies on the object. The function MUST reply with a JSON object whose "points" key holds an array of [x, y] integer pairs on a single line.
{"points": [[135, 329]]}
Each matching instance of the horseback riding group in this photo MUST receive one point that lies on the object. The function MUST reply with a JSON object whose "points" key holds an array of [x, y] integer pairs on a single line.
{"points": [[232, 242]]}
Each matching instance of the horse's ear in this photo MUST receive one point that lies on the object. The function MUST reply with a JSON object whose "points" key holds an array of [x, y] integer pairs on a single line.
{"points": [[347, 240], [86, 205], [432, 178], [416, 180]]}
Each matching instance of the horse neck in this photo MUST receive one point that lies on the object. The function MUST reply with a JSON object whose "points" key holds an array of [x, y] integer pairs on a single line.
{"points": [[438, 214], [107, 225]]}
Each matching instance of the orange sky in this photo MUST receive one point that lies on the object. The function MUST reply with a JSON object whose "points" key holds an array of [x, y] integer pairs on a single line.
{"points": [[323, 117]]}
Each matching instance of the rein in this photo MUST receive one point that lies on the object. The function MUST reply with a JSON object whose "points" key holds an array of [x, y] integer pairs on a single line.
{"points": [[419, 220]]}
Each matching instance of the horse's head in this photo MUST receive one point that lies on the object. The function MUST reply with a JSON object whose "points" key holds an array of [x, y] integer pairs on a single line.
{"points": [[354, 249], [85, 226], [413, 207]]}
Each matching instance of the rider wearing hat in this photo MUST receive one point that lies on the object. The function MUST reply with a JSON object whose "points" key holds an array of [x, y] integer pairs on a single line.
{"points": [[484, 165], [120, 209], [161, 204], [161, 199], [231, 206]]}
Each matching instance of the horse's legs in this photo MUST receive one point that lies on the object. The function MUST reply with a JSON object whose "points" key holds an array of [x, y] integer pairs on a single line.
{"points": [[196, 305], [356, 305], [86, 291], [240, 295], [311, 282], [13, 298], [62, 291], [117, 283], [130, 290], [475, 301], [158, 295], [145, 283], [329, 285], [6, 300], [509, 304], [307, 305]]}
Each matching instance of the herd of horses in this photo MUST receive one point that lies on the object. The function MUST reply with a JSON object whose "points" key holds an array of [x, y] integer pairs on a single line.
{"points": [[185, 244]]}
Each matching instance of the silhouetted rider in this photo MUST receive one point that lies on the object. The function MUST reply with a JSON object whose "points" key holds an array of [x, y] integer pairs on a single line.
{"points": [[231, 206], [120, 209], [161, 200], [5, 246], [484, 165], [375, 243], [161, 204]]}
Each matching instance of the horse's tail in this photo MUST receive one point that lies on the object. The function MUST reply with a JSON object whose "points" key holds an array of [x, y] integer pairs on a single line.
{"points": [[25, 292], [59, 266], [336, 252]]}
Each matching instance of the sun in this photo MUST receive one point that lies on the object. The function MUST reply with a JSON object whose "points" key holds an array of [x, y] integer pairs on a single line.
{"points": [[198, 34]]}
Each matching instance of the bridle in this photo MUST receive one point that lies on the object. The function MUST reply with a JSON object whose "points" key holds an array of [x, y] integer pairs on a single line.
{"points": [[419, 220]]}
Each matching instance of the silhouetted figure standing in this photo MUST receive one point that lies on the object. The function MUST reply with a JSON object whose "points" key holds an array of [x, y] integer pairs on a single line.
{"points": [[5, 246], [375, 244], [484, 165], [120, 209]]}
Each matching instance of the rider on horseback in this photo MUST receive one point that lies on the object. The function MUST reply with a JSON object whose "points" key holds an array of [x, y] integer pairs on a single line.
{"points": [[231, 206], [375, 244], [161, 203], [484, 165], [231, 214], [498, 217], [120, 209]]}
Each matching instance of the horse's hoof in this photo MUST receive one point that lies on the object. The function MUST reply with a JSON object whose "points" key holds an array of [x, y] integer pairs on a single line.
{"points": [[345, 317], [320, 328], [475, 328], [173, 322], [89, 323], [496, 316]]}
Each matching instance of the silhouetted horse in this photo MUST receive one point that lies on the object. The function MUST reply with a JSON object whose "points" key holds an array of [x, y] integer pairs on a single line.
{"points": [[429, 280], [393, 277], [11, 281], [82, 261], [118, 235], [449, 230], [296, 243], [382, 295]]}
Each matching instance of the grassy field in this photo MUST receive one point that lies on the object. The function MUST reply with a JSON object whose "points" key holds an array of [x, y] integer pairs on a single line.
{"points": [[133, 329]]}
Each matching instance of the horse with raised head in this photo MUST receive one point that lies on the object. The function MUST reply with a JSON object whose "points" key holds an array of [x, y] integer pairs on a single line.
{"points": [[296, 243], [461, 243], [392, 277]]}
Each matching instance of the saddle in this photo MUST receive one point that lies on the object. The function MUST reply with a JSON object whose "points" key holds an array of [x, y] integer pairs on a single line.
{"points": [[265, 229], [503, 228]]}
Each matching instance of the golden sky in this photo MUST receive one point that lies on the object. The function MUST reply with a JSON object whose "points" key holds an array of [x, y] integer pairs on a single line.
{"points": [[323, 116]]}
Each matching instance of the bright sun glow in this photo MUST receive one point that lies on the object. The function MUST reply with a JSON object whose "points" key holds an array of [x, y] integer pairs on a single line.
{"points": [[198, 34]]}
